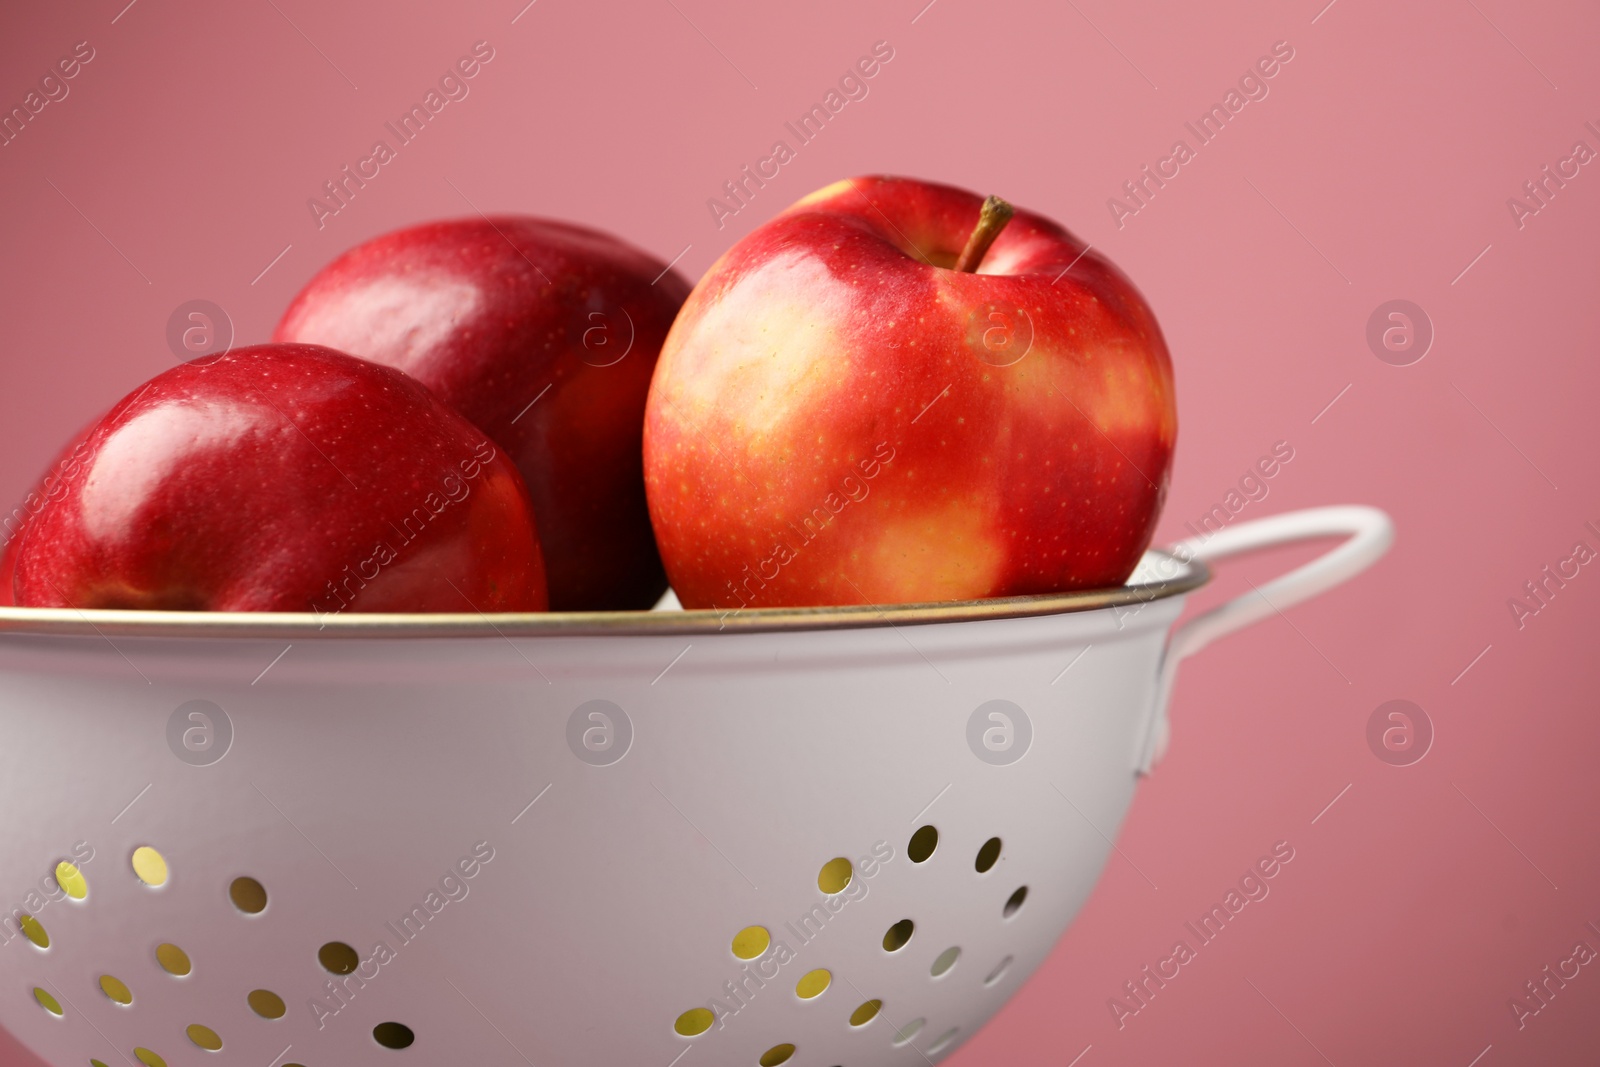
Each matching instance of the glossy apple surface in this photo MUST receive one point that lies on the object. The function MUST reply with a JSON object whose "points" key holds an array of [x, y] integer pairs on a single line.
{"points": [[544, 335], [839, 417], [284, 478]]}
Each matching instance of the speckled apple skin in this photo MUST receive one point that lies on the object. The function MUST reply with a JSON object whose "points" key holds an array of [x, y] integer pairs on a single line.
{"points": [[839, 418]]}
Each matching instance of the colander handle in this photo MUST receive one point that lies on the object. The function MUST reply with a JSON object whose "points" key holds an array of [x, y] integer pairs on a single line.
{"points": [[1368, 532]]}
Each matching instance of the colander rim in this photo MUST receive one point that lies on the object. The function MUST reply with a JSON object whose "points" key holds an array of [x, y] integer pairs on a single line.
{"points": [[1190, 574]]}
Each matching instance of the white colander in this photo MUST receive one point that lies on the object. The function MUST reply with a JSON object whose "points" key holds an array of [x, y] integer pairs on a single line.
{"points": [[566, 832]]}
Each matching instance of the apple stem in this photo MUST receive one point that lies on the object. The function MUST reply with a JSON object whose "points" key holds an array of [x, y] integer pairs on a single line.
{"points": [[992, 218]]}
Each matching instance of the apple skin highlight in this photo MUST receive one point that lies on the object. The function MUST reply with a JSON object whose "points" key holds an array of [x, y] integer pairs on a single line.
{"points": [[838, 417], [285, 478]]}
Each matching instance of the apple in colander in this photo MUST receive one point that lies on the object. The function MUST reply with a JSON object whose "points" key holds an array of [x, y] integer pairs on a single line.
{"points": [[282, 477], [542, 333], [897, 391]]}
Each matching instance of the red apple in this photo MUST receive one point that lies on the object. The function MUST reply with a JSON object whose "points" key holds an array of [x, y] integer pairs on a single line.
{"points": [[543, 334], [284, 478], [840, 415]]}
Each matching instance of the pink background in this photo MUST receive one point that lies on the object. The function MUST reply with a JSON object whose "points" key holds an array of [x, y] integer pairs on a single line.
{"points": [[1378, 167]]}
